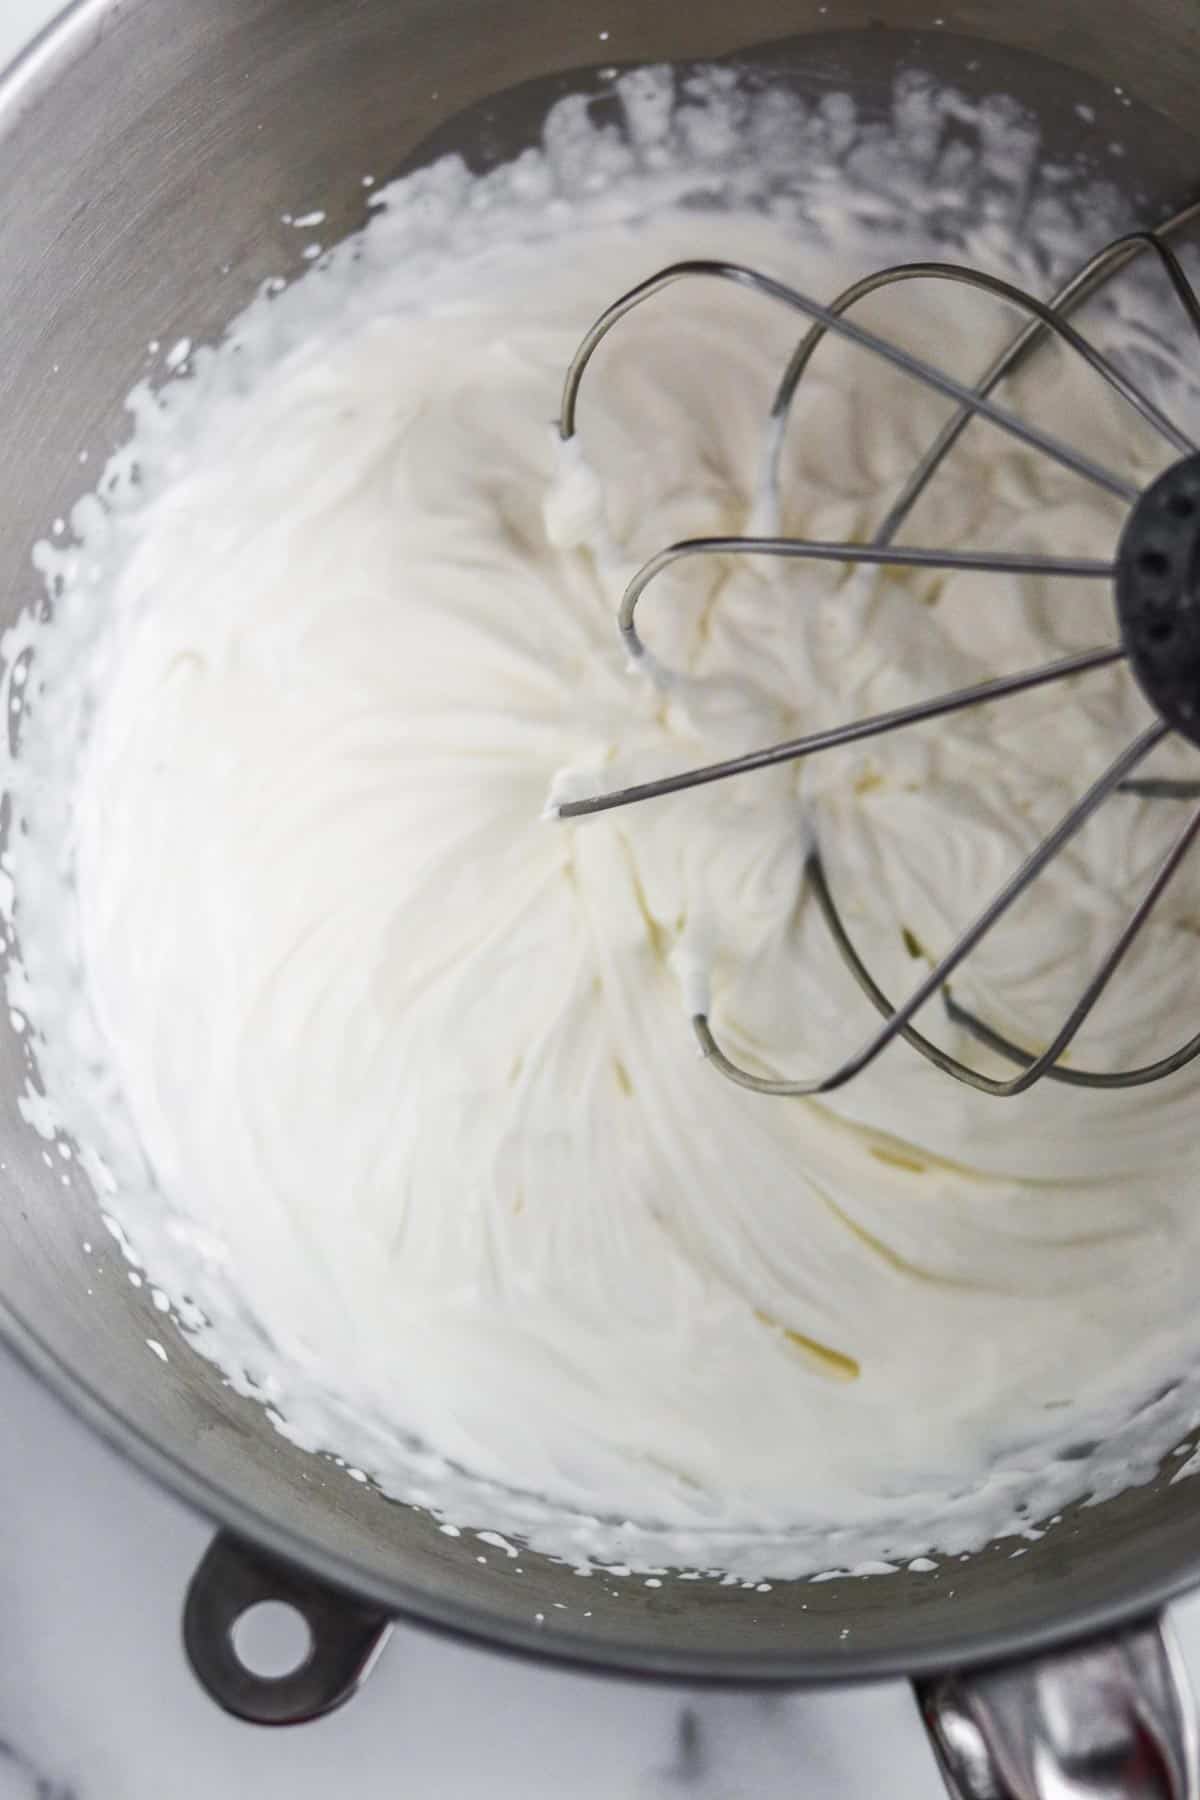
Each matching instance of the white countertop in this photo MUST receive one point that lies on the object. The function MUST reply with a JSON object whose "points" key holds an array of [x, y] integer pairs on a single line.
{"points": [[97, 1703]]}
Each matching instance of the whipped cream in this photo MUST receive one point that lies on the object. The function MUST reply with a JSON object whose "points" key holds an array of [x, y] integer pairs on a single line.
{"points": [[390, 1079]]}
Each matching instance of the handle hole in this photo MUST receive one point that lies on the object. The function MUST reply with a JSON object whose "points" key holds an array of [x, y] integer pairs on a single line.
{"points": [[271, 1640], [1153, 562]]}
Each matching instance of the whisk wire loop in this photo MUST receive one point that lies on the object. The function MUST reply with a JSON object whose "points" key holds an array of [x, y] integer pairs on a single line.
{"points": [[986, 1034], [1031, 435], [1086, 282], [1142, 577], [1067, 828]]}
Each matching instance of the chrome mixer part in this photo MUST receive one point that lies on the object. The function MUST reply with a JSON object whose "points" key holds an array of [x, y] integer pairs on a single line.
{"points": [[1156, 586]]}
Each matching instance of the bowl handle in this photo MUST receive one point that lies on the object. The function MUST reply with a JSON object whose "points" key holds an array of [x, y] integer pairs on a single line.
{"points": [[345, 1636], [1108, 1719]]}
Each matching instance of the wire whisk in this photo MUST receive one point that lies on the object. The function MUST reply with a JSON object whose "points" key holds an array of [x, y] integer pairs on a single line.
{"points": [[1156, 586]]}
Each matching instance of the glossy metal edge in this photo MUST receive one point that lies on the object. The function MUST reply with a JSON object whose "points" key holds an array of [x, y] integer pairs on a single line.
{"points": [[1115, 1716], [66, 38]]}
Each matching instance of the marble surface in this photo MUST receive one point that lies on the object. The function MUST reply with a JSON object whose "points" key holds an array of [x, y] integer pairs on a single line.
{"points": [[96, 1702]]}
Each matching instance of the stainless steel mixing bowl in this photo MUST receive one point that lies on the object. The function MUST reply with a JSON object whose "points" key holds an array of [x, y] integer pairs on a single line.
{"points": [[148, 150]]}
